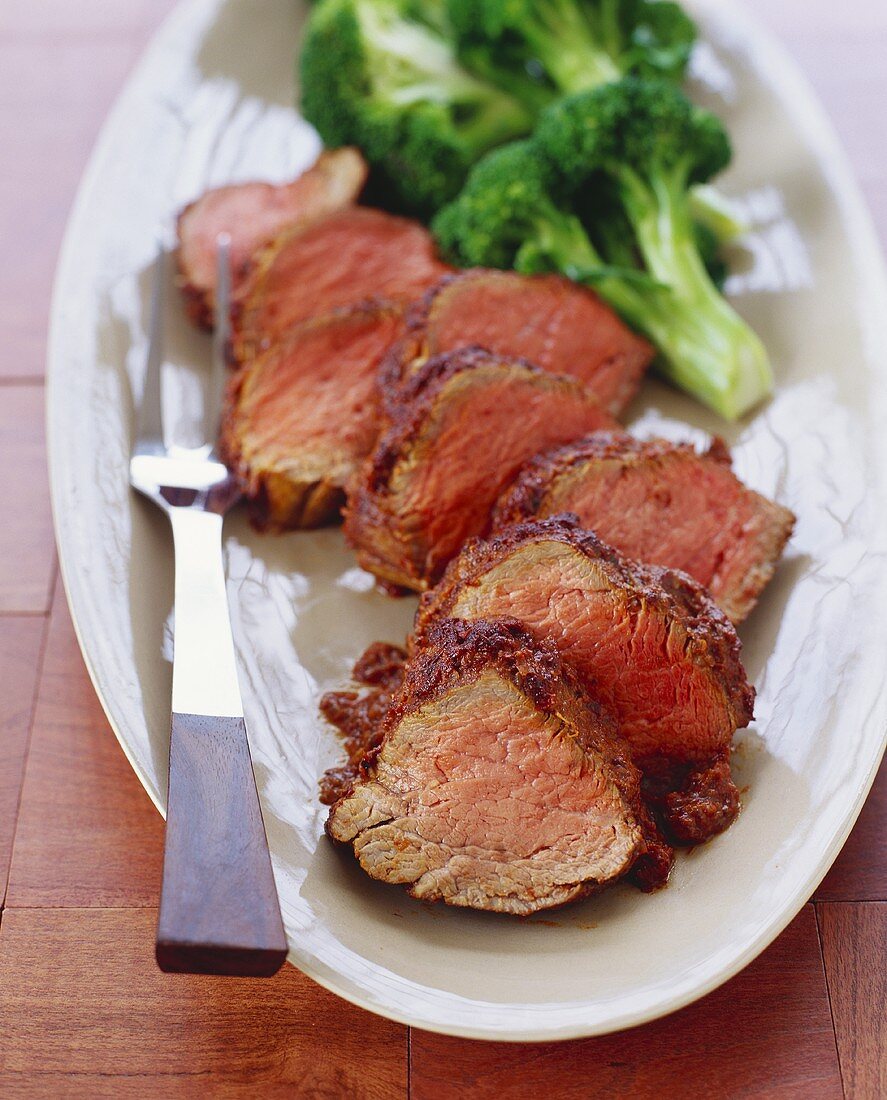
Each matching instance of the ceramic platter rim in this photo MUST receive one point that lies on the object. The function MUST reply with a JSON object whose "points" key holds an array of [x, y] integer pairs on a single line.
{"points": [[372, 993]]}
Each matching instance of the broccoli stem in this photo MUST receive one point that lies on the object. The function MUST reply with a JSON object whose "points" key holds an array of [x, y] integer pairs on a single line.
{"points": [[492, 119], [706, 347], [718, 213], [609, 29], [568, 48], [557, 242], [714, 356]]}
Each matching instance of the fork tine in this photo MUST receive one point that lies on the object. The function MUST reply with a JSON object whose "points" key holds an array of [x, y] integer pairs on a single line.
{"points": [[219, 369], [149, 417]]}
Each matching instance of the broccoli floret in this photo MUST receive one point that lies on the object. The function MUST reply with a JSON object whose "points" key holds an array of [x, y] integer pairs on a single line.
{"points": [[645, 144], [600, 194], [660, 38], [539, 48], [380, 75], [507, 216], [511, 214]]}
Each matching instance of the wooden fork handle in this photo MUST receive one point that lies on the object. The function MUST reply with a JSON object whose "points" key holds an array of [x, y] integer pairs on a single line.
{"points": [[219, 912]]}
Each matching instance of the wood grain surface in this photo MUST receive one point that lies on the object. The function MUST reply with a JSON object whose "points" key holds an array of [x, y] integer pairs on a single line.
{"points": [[84, 1015], [767, 1032], [854, 939], [87, 833], [21, 644], [83, 1010], [27, 551]]}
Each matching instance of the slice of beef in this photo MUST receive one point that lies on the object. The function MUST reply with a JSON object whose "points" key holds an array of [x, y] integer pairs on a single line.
{"points": [[559, 326], [464, 426], [299, 418], [649, 642], [692, 802], [498, 783], [663, 503], [252, 214], [342, 260]]}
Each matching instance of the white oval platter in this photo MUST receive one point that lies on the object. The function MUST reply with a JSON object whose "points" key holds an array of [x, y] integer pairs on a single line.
{"points": [[211, 102]]}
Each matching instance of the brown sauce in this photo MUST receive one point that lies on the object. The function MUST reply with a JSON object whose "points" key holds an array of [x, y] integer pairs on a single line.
{"points": [[358, 715]]}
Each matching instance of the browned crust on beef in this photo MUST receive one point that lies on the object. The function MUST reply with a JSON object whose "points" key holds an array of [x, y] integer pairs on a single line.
{"points": [[410, 352], [279, 500], [380, 665], [349, 170], [456, 652], [370, 522], [711, 638], [244, 343], [410, 407], [526, 498]]}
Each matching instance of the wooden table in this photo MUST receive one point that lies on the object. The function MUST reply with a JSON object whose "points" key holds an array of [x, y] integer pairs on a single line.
{"points": [[83, 1011]]}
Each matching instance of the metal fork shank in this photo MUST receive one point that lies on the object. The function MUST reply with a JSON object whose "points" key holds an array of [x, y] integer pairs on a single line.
{"points": [[219, 911]]}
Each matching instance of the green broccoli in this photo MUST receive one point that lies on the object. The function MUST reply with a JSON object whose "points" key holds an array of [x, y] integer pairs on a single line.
{"points": [[538, 49], [709, 245], [647, 144], [511, 214], [610, 232], [718, 214], [379, 74], [600, 193], [507, 216]]}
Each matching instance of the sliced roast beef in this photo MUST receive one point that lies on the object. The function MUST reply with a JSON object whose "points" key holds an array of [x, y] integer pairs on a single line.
{"points": [[649, 642], [464, 426], [498, 783], [663, 503], [252, 214], [549, 320], [692, 802], [342, 260], [300, 417]]}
